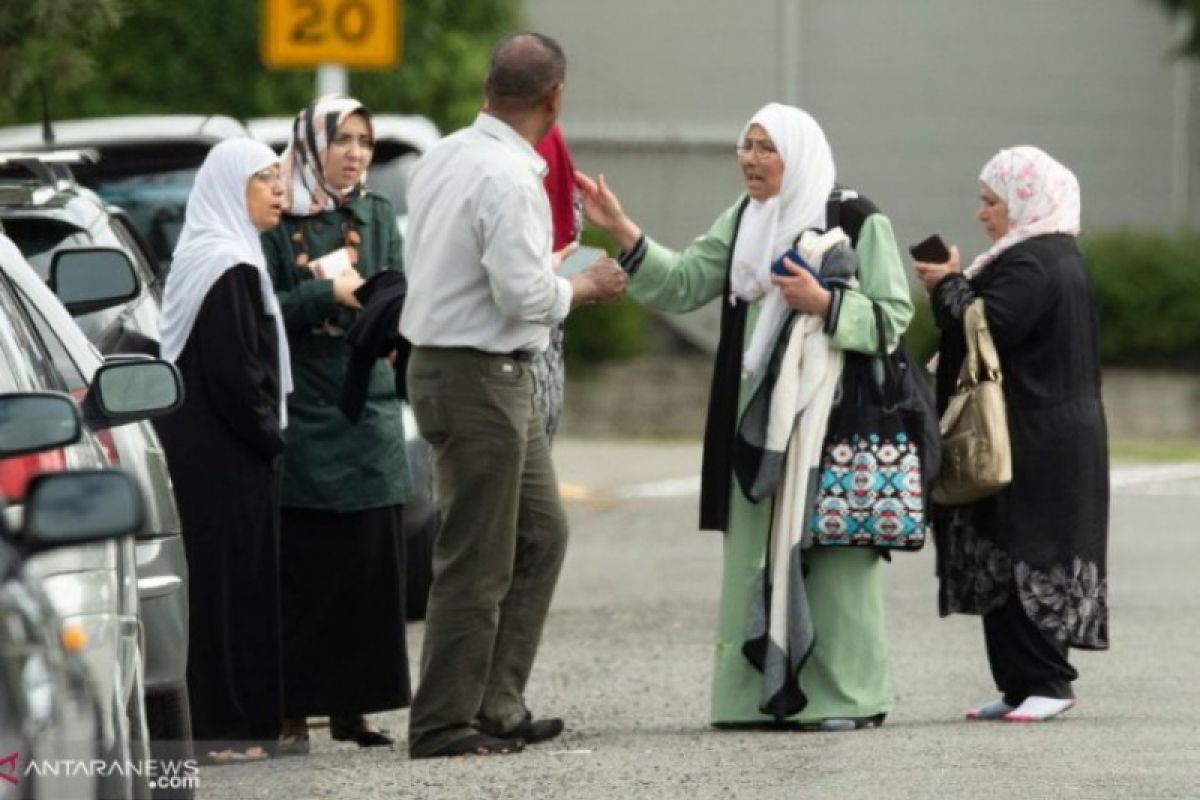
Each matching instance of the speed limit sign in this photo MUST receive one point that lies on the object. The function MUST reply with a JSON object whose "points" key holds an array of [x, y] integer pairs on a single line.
{"points": [[361, 34]]}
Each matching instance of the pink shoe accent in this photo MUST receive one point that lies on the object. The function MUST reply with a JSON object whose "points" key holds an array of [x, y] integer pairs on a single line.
{"points": [[1020, 716]]}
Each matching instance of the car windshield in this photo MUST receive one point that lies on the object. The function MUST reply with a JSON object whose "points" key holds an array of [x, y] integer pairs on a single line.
{"points": [[155, 202]]}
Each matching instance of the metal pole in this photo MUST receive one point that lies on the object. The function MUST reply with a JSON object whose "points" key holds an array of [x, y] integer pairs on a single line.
{"points": [[789, 51], [332, 79]]}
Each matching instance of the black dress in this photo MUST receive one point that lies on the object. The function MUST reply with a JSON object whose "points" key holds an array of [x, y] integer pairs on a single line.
{"points": [[223, 449], [1041, 544]]}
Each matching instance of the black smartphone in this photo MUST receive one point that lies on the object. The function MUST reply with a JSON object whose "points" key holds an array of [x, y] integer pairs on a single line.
{"points": [[932, 250]]}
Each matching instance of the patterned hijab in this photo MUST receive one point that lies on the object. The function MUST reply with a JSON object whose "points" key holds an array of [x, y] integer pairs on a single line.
{"points": [[1041, 194], [308, 192]]}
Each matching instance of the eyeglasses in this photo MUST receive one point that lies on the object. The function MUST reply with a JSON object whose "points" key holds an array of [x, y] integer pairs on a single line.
{"points": [[756, 149], [271, 177]]}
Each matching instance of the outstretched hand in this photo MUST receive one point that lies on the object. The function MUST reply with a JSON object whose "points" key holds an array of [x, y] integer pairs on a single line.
{"points": [[602, 282], [602, 208]]}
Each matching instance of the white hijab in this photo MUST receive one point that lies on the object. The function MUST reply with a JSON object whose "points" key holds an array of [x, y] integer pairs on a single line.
{"points": [[768, 227], [218, 235], [1041, 194]]}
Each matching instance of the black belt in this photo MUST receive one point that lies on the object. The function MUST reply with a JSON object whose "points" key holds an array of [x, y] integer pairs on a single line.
{"points": [[524, 356]]}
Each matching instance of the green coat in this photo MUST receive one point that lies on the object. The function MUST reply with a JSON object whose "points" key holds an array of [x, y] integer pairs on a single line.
{"points": [[847, 672], [330, 463]]}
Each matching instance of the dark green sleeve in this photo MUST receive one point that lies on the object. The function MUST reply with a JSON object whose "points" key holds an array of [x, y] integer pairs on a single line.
{"points": [[305, 302]]}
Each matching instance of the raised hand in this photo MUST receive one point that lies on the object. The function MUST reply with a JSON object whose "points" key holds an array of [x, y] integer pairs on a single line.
{"points": [[602, 208]]}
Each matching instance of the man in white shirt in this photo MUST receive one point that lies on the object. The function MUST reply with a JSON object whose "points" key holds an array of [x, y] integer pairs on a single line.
{"points": [[482, 296]]}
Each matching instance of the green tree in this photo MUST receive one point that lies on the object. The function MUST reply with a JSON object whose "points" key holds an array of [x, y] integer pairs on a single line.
{"points": [[203, 57], [1189, 10], [50, 39]]}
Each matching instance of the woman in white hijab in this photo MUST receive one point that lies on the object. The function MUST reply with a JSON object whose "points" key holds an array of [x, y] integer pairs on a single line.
{"points": [[222, 327], [841, 681], [1032, 560]]}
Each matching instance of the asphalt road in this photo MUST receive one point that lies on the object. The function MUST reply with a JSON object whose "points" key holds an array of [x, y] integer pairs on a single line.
{"points": [[626, 659]]}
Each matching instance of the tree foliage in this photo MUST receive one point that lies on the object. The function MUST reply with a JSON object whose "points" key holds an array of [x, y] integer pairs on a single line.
{"points": [[202, 56], [50, 38], [1190, 11]]}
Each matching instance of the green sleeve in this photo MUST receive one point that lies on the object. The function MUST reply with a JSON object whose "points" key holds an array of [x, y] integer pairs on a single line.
{"points": [[882, 279], [304, 303], [682, 281]]}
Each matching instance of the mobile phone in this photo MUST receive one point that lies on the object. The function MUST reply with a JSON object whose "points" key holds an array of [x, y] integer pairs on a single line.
{"points": [[779, 268], [580, 260], [932, 250]]}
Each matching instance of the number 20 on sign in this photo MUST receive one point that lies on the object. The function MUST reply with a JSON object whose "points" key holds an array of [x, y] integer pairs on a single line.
{"points": [[361, 34]]}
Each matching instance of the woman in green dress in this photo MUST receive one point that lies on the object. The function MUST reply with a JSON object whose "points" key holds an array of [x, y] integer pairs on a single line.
{"points": [[341, 552], [788, 170]]}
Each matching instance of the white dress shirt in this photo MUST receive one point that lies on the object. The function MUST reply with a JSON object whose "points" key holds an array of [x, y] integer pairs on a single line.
{"points": [[478, 245]]}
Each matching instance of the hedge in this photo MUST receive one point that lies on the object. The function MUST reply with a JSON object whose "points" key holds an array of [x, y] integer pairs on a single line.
{"points": [[1147, 290]]}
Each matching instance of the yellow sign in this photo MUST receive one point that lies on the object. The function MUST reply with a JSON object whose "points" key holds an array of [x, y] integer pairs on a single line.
{"points": [[360, 34]]}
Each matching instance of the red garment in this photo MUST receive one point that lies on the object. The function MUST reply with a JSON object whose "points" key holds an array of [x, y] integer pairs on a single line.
{"points": [[560, 186]]}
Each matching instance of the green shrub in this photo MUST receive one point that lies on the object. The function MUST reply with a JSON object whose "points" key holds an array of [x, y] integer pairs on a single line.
{"points": [[1148, 293], [610, 332]]}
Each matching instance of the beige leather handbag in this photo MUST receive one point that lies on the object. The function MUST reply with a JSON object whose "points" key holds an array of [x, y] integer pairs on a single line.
{"points": [[976, 458]]}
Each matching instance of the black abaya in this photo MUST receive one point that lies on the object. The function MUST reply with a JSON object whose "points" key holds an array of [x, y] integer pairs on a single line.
{"points": [[223, 448]]}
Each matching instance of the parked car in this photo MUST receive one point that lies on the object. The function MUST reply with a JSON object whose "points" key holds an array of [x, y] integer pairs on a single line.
{"points": [[146, 164], [108, 604], [49, 712], [55, 222]]}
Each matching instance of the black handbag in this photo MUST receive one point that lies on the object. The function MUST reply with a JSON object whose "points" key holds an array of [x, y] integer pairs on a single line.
{"points": [[881, 451]]}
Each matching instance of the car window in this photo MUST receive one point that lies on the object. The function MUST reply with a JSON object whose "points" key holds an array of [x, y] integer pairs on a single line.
{"points": [[29, 361], [155, 202], [64, 366], [147, 270], [38, 238]]}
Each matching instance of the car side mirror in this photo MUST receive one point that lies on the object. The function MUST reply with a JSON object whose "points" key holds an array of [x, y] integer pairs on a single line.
{"points": [[132, 389], [31, 422], [70, 508], [89, 279]]}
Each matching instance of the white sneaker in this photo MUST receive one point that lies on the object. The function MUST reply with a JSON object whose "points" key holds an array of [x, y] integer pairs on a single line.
{"points": [[994, 709], [1039, 709]]}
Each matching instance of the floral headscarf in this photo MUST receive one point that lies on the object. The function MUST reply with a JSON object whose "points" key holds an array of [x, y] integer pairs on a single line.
{"points": [[1041, 194], [308, 192]]}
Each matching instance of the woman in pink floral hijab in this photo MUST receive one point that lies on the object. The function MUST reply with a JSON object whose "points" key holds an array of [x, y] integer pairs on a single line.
{"points": [[1031, 560], [1042, 196]]}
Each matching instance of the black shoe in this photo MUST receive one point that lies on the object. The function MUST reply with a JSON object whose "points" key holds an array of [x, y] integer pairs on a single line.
{"points": [[528, 730], [477, 744], [354, 729]]}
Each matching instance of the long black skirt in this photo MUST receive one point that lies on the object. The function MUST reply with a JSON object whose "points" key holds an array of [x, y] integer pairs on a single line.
{"points": [[344, 649]]}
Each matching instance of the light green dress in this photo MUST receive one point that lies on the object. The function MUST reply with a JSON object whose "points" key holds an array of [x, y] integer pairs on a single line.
{"points": [[847, 673]]}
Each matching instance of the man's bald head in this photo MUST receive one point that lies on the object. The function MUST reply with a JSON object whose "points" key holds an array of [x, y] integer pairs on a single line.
{"points": [[525, 67]]}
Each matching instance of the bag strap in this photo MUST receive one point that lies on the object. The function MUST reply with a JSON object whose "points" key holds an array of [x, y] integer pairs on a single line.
{"points": [[891, 376], [982, 358]]}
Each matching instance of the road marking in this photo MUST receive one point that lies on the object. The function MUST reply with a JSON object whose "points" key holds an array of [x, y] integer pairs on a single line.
{"points": [[1139, 479]]}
